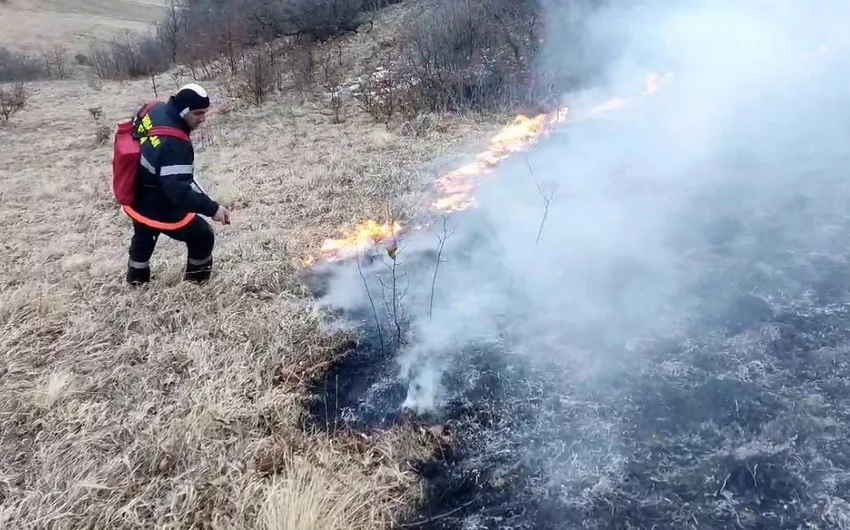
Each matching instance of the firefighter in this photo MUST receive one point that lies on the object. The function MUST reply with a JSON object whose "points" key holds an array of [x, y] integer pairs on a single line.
{"points": [[168, 199]]}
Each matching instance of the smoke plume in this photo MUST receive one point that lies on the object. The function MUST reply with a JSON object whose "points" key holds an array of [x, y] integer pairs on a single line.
{"points": [[641, 223]]}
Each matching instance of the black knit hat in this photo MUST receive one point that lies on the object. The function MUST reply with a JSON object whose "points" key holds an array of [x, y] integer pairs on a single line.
{"points": [[191, 97]]}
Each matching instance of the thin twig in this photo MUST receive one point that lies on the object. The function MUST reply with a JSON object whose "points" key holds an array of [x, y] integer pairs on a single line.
{"points": [[394, 255], [336, 403], [392, 252], [371, 301], [325, 399], [442, 240], [547, 201]]}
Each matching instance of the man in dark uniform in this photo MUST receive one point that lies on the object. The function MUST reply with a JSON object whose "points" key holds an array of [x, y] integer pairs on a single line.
{"points": [[167, 197]]}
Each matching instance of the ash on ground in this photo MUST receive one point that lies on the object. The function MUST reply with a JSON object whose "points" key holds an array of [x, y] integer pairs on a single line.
{"points": [[672, 352]]}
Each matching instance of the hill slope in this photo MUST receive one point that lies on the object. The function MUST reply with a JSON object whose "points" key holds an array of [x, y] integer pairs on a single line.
{"points": [[171, 406], [41, 24]]}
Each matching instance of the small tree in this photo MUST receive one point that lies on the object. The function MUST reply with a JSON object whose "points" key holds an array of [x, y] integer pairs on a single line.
{"points": [[258, 79], [331, 71], [12, 100], [60, 61], [301, 65], [170, 29]]}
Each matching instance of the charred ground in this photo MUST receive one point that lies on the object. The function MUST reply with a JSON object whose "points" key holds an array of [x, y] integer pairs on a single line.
{"points": [[738, 419], [741, 425]]}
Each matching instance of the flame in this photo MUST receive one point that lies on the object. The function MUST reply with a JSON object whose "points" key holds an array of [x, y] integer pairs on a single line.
{"points": [[457, 186], [360, 238], [517, 135]]}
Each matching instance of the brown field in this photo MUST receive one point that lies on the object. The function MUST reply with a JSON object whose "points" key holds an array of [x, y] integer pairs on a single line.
{"points": [[176, 405], [76, 24]]}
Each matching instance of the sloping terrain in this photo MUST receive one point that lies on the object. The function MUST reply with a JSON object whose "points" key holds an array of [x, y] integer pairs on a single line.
{"points": [[639, 326], [76, 24], [176, 405], [664, 345]]}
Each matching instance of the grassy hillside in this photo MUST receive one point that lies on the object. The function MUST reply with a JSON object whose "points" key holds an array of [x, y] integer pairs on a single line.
{"points": [[176, 406], [40, 24]]}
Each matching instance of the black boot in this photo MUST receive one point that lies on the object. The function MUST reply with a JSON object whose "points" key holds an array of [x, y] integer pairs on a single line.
{"points": [[198, 273], [138, 276]]}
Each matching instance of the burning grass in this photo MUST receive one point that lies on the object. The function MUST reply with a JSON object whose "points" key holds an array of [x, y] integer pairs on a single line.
{"points": [[732, 416], [176, 406]]}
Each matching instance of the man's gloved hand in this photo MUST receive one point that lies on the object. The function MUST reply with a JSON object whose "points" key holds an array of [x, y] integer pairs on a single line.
{"points": [[222, 216]]}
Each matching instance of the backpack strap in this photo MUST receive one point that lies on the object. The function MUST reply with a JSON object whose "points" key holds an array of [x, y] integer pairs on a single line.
{"points": [[162, 130], [148, 107], [144, 110]]}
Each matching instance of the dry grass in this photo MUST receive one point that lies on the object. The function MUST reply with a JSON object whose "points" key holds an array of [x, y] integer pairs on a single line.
{"points": [[40, 24], [165, 406]]}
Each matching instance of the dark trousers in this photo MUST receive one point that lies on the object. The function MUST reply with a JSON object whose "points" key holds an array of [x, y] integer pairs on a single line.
{"points": [[198, 236]]}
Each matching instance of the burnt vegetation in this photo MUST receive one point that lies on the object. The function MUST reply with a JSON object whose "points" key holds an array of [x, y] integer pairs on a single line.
{"points": [[741, 424]]}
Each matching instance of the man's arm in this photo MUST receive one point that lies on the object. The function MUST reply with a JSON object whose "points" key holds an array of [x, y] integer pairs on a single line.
{"points": [[175, 175]]}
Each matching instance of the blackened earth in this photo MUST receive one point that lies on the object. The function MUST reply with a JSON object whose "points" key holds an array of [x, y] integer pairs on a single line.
{"points": [[741, 421], [742, 426]]}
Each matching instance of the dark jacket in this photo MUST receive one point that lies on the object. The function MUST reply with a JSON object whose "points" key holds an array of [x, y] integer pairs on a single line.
{"points": [[166, 190]]}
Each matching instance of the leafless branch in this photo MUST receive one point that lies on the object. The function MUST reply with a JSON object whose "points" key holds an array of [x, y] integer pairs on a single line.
{"points": [[548, 197], [372, 302], [442, 239]]}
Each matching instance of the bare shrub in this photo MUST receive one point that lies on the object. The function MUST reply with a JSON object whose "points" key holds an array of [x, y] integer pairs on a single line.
{"points": [[388, 92], [177, 76], [472, 55], [170, 29], [418, 126], [82, 59], [102, 131], [321, 19], [228, 33], [102, 134], [258, 79], [226, 28], [18, 66], [331, 73], [315, 19], [205, 137], [12, 100], [457, 54], [129, 57], [96, 113], [301, 65], [56, 62]]}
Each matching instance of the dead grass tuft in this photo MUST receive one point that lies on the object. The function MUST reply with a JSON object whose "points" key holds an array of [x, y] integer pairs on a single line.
{"points": [[312, 491]]}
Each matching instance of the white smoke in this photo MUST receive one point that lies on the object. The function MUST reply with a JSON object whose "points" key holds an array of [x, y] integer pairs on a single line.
{"points": [[631, 190]]}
